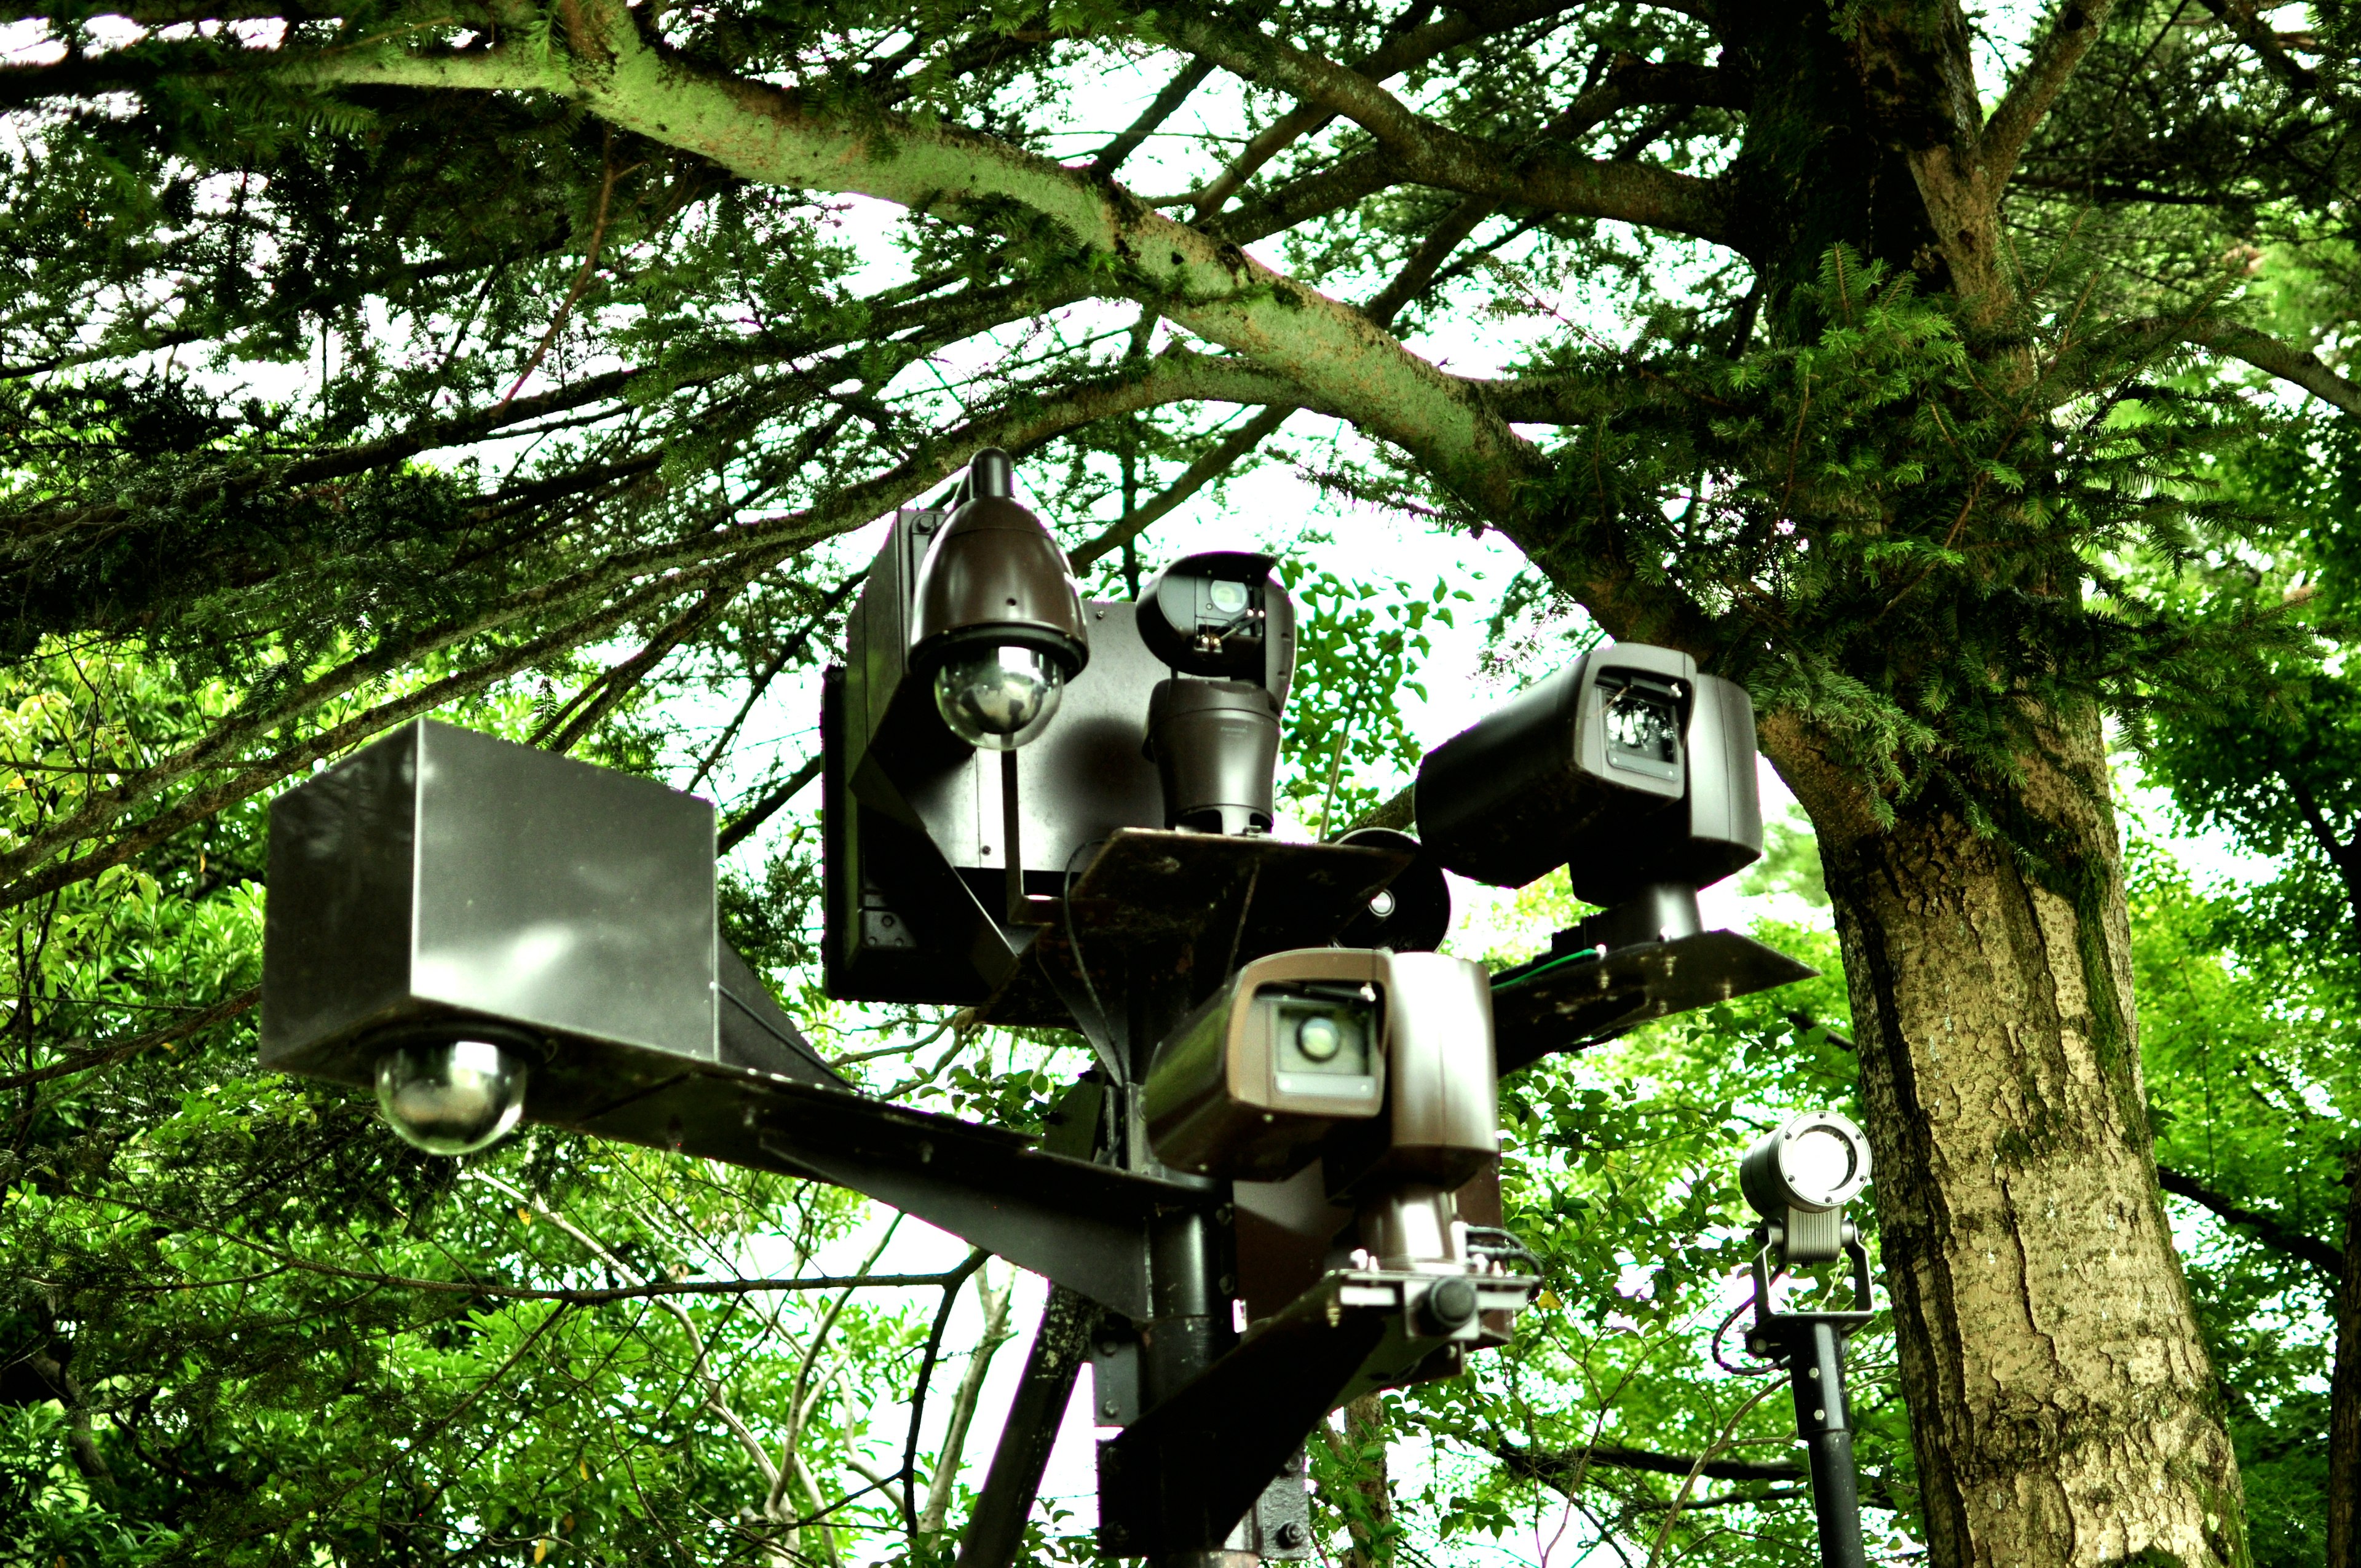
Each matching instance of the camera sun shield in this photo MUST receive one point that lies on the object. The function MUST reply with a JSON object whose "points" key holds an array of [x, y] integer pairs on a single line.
{"points": [[1249, 1084], [1578, 760]]}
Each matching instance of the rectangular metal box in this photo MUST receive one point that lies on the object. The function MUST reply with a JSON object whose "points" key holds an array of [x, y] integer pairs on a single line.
{"points": [[441, 873]]}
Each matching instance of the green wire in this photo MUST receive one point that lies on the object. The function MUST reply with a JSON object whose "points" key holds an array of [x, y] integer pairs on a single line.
{"points": [[1554, 963]]}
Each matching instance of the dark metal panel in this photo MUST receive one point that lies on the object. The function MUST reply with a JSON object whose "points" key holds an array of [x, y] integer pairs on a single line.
{"points": [[1086, 776], [1545, 1006], [1182, 1476], [335, 943], [996, 1531], [756, 1032], [562, 897], [440, 872]]}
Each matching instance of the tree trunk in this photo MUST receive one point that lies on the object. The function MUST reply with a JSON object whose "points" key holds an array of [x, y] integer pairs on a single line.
{"points": [[2062, 1406], [2344, 1391]]}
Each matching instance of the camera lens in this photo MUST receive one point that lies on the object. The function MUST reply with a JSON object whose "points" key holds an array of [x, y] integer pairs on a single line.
{"points": [[1319, 1038]]}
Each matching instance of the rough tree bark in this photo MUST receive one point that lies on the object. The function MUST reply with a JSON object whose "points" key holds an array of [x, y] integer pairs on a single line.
{"points": [[2063, 1406]]}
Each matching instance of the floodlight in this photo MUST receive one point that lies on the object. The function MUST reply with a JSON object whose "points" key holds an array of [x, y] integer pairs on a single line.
{"points": [[997, 623], [1815, 1162], [1799, 1177], [451, 1094]]}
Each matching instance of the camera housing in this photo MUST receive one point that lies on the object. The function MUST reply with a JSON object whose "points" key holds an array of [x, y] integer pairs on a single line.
{"points": [[1249, 1083], [1377, 1063], [1221, 615], [1627, 766]]}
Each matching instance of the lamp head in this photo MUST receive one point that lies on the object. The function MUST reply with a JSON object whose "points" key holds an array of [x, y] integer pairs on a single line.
{"points": [[996, 625], [1811, 1164], [453, 1090]]}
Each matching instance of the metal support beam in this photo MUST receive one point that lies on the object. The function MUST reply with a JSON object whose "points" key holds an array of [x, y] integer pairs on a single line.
{"points": [[996, 1531]]}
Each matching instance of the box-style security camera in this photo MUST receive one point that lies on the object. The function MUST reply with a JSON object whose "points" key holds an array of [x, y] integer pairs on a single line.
{"points": [[1627, 767], [1248, 1084], [1380, 1062]]}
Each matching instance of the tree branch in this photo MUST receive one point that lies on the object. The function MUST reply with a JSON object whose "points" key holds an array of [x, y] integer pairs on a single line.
{"points": [[2246, 24], [2074, 26], [742, 827], [1161, 108], [108, 1055], [2272, 1232], [2268, 354], [1544, 1464], [1433, 154], [764, 133], [1215, 461]]}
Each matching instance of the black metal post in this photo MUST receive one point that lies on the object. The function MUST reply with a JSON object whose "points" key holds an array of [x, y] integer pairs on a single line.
{"points": [[995, 1532], [1814, 1357]]}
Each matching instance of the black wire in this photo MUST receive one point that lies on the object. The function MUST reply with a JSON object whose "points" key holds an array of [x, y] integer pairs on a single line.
{"points": [[1724, 1362], [1493, 1241]]}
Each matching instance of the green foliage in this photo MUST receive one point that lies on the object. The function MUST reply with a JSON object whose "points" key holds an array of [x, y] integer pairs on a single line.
{"points": [[1909, 542], [1358, 647]]}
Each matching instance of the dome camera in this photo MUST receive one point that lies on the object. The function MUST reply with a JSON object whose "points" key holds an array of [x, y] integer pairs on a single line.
{"points": [[455, 1093]]}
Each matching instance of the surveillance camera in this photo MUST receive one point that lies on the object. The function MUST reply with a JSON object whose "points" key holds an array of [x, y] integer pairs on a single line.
{"points": [[453, 1090], [1222, 616], [1248, 1084], [1627, 767], [997, 620]]}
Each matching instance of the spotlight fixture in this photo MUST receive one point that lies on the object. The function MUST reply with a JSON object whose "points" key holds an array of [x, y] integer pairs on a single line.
{"points": [[997, 624], [1816, 1162]]}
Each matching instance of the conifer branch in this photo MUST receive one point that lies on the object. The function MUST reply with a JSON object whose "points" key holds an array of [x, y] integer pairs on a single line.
{"points": [[1432, 154], [2073, 27]]}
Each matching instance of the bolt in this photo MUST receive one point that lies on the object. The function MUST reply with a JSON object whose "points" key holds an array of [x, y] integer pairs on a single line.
{"points": [[1106, 1407], [1290, 1536], [1814, 1374], [1820, 1415]]}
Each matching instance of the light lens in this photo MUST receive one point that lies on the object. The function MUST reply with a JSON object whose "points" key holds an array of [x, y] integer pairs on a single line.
{"points": [[451, 1097], [998, 699], [1819, 1164]]}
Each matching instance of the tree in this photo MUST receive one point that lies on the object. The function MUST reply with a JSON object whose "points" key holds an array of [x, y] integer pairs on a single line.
{"points": [[1894, 385]]}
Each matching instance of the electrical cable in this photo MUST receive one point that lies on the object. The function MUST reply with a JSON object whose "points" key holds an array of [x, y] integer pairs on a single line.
{"points": [[1724, 1362], [1534, 974], [1493, 1243]]}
